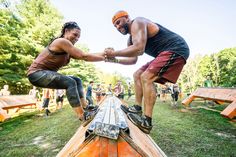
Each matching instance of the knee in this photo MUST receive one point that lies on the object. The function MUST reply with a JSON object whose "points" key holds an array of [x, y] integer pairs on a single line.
{"points": [[137, 75], [145, 78], [72, 83], [78, 80]]}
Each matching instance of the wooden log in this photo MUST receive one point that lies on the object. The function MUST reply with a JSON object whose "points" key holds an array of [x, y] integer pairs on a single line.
{"points": [[132, 144]]}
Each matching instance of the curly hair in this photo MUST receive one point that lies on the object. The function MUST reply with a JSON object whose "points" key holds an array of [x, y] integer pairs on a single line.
{"points": [[68, 25]]}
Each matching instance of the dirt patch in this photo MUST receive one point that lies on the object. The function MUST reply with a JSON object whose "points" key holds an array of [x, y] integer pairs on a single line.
{"points": [[184, 110]]}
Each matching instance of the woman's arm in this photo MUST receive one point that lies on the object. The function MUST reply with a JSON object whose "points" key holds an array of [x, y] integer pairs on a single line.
{"points": [[65, 45]]}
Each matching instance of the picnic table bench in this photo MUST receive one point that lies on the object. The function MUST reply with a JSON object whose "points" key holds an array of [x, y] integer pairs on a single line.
{"points": [[14, 101], [219, 95]]}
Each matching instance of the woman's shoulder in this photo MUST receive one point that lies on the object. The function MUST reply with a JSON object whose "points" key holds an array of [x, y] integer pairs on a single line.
{"points": [[59, 44], [60, 41]]}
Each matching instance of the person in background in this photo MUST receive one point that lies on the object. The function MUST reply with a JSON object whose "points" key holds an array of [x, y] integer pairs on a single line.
{"points": [[174, 90], [208, 82], [164, 91], [89, 93], [46, 99], [59, 95], [119, 90], [129, 90], [98, 92], [5, 91], [43, 70], [34, 93], [109, 89], [169, 50]]}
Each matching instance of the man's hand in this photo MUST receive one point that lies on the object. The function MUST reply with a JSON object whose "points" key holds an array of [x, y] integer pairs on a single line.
{"points": [[109, 52], [110, 56]]}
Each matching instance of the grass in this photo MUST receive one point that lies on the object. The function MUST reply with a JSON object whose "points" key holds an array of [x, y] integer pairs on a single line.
{"points": [[195, 132]]}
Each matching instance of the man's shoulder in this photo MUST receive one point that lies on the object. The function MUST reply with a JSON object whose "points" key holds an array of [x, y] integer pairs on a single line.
{"points": [[142, 20]]}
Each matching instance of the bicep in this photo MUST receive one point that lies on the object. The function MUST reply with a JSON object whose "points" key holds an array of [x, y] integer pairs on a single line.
{"points": [[72, 50], [139, 33]]}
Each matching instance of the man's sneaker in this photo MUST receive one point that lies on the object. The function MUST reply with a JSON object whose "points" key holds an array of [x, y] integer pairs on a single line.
{"points": [[141, 122], [91, 108], [88, 116], [131, 109]]}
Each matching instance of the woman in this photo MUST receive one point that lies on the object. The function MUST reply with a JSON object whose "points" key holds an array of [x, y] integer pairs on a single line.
{"points": [[43, 71]]}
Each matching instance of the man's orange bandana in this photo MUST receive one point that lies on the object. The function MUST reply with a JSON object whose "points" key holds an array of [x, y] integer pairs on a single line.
{"points": [[118, 15]]}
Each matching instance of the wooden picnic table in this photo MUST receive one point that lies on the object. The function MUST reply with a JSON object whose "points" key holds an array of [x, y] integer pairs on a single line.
{"points": [[219, 95], [14, 101]]}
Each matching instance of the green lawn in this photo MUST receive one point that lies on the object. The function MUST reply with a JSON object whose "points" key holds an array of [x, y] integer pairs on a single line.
{"points": [[195, 132]]}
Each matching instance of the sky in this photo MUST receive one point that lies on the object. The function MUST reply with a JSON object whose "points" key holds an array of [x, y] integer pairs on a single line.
{"points": [[208, 26]]}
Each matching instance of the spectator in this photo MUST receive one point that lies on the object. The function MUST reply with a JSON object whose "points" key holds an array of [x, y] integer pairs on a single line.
{"points": [[109, 89], [5, 91], [89, 92], [34, 93], [119, 90], [174, 89], [59, 95], [208, 82], [98, 92], [129, 90], [164, 91], [46, 99]]}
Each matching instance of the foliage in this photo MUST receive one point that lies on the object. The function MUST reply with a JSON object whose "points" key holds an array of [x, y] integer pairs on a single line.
{"points": [[221, 67], [25, 30]]}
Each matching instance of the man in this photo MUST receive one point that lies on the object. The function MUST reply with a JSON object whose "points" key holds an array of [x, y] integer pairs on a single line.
{"points": [[170, 53], [98, 92], [59, 95], [174, 90], [89, 93], [46, 99], [208, 82], [119, 90], [129, 90]]}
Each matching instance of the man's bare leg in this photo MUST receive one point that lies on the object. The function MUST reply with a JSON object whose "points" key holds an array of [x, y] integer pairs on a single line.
{"points": [[149, 92], [138, 87]]}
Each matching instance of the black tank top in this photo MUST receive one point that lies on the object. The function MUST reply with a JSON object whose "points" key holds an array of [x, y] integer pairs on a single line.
{"points": [[166, 40]]}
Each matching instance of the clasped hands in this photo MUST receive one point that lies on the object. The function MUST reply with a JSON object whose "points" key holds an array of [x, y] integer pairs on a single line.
{"points": [[109, 54]]}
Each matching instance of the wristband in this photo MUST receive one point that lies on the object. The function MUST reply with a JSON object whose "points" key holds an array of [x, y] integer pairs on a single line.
{"points": [[117, 60]]}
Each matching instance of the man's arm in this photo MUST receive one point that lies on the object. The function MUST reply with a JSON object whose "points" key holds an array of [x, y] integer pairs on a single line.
{"points": [[139, 40]]}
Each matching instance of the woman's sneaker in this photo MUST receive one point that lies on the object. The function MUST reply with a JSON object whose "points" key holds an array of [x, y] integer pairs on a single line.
{"points": [[88, 116], [141, 122], [91, 108], [132, 109]]}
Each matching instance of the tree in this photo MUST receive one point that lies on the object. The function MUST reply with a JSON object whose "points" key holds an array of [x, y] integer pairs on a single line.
{"points": [[25, 30]]}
